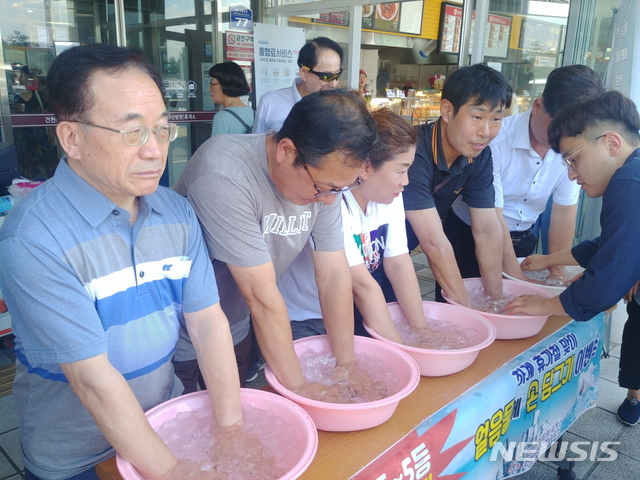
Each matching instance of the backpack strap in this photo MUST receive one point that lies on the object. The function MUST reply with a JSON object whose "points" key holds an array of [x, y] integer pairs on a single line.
{"points": [[244, 124]]}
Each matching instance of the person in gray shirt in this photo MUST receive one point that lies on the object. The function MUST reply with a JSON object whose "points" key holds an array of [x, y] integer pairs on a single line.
{"points": [[260, 199]]}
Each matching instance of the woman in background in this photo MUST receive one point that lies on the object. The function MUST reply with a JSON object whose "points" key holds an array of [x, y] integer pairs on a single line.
{"points": [[362, 83], [228, 83]]}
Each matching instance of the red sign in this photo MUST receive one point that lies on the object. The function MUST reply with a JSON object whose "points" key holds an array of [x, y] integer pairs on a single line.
{"points": [[498, 20], [453, 11], [239, 46], [421, 457]]}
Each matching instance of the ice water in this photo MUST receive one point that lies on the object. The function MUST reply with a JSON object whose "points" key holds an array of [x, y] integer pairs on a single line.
{"points": [[438, 335], [372, 380], [543, 277], [478, 300], [265, 449]]}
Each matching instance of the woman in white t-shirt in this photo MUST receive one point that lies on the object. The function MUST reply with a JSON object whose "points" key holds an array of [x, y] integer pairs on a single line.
{"points": [[374, 229]]}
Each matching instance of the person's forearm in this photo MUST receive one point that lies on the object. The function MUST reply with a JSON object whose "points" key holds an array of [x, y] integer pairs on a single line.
{"points": [[212, 341], [489, 252], [510, 263], [369, 299], [561, 231], [553, 306], [405, 285], [562, 257], [273, 332], [336, 301], [427, 226], [442, 262], [105, 393]]}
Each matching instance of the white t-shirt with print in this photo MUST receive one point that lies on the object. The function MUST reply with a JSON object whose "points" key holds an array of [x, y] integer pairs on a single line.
{"points": [[368, 239]]}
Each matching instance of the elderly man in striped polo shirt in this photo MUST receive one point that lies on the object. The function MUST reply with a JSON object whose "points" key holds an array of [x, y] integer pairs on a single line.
{"points": [[100, 268]]}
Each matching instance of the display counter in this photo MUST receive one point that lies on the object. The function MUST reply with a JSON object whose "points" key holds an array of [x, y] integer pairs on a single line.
{"points": [[526, 390], [416, 110]]}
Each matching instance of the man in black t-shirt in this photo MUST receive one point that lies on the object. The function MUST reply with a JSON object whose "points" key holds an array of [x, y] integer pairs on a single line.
{"points": [[452, 159]]}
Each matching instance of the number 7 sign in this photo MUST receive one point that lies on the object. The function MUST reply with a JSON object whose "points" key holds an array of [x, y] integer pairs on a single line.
{"points": [[241, 18]]}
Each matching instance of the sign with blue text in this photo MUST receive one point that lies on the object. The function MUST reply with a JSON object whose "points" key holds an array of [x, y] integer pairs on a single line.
{"points": [[241, 18], [276, 49]]}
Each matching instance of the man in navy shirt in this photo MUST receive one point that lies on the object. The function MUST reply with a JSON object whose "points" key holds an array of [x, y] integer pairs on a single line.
{"points": [[452, 159], [600, 144]]}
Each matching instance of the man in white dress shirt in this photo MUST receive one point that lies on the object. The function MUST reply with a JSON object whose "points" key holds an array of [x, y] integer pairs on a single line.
{"points": [[527, 172], [319, 63]]}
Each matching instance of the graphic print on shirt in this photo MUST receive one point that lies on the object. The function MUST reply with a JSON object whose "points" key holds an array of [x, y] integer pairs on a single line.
{"points": [[372, 245], [293, 225]]}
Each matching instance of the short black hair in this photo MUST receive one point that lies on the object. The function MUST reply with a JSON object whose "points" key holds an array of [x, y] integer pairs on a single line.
{"points": [[308, 55], [330, 121], [612, 109], [231, 78], [568, 85], [69, 77], [477, 84]]}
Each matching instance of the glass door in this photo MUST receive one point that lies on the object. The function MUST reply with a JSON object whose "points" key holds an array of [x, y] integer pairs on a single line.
{"points": [[525, 41], [179, 36], [33, 32]]}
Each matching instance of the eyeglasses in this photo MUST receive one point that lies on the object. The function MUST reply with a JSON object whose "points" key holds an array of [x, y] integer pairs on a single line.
{"points": [[324, 76], [333, 191], [136, 135], [211, 84], [569, 161]]}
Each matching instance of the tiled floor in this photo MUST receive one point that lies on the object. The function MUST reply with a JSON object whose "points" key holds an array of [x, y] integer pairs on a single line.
{"points": [[598, 424]]}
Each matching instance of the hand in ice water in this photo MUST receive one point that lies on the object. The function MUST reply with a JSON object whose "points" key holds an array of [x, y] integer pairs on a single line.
{"points": [[535, 262], [322, 393], [361, 385], [235, 438], [527, 305], [187, 470]]}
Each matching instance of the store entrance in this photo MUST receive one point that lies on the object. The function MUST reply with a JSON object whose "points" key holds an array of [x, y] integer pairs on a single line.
{"points": [[33, 33], [175, 34]]}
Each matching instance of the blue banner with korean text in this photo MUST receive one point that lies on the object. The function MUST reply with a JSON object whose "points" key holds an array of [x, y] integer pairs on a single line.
{"points": [[499, 427]]}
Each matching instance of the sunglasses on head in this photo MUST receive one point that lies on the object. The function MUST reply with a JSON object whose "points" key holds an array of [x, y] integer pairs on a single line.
{"points": [[324, 76]]}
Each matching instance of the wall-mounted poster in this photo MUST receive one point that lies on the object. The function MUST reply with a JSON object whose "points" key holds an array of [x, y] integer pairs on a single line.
{"points": [[497, 34], [332, 18], [411, 17], [450, 26], [387, 17], [276, 50], [367, 16]]}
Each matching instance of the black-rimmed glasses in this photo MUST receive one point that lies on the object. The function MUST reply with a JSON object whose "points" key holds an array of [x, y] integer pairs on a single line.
{"points": [[324, 76], [333, 191], [569, 160], [137, 135]]}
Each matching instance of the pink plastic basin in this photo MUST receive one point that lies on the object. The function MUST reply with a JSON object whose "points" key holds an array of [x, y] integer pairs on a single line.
{"points": [[305, 430], [436, 363], [571, 270], [509, 327], [335, 417]]}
